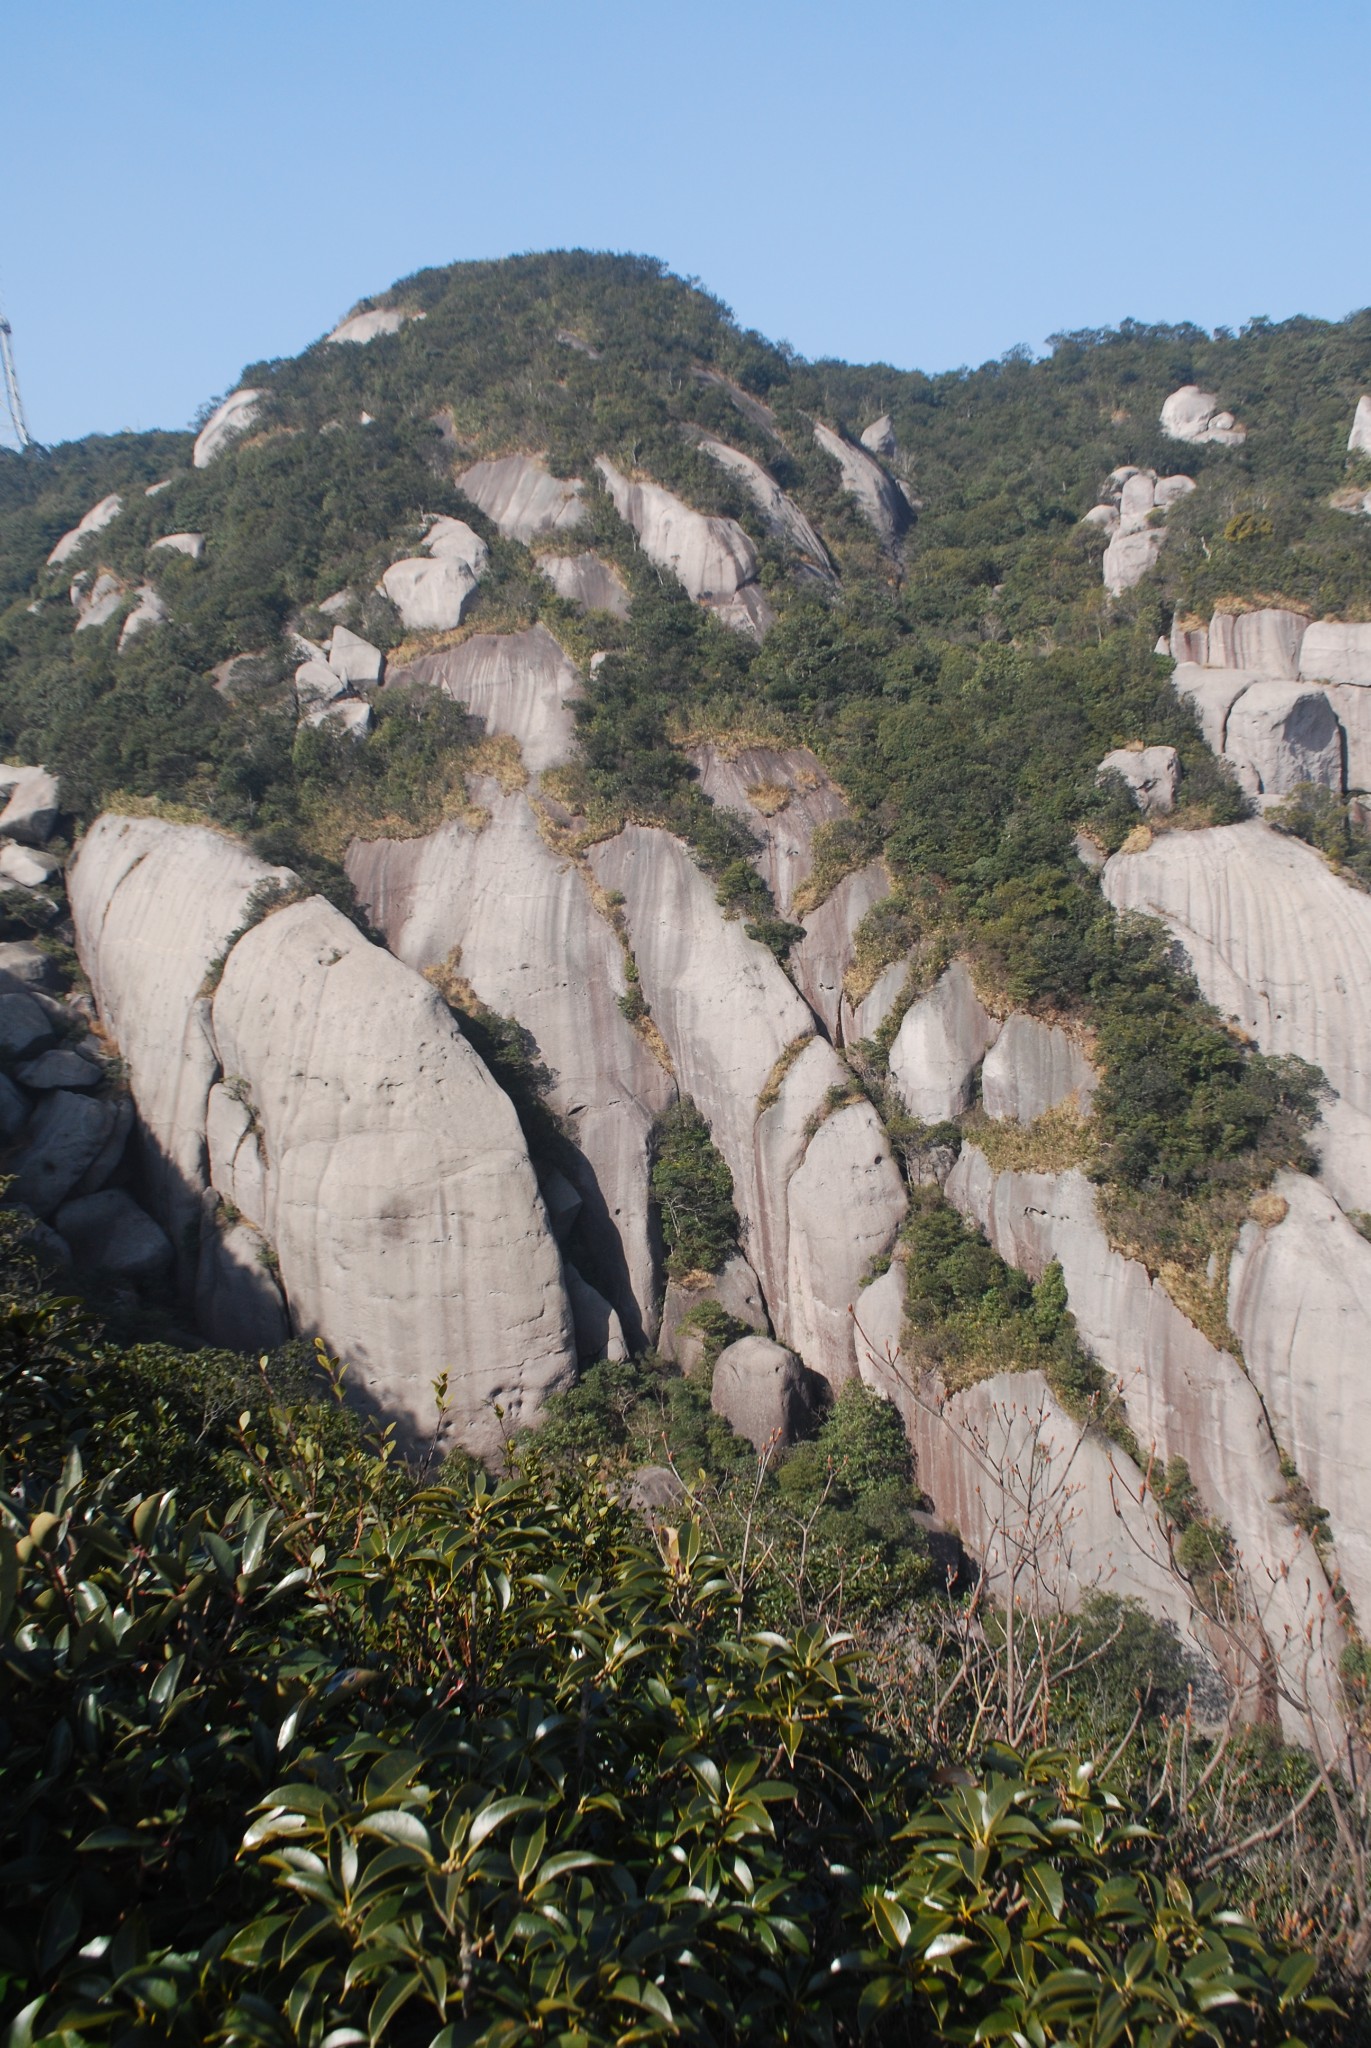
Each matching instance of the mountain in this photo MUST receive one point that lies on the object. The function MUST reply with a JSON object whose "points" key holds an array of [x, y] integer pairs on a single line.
{"points": [[596, 839]]}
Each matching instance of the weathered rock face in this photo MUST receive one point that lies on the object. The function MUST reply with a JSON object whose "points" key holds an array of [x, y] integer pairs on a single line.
{"points": [[763, 1391], [533, 947], [1184, 1399], [598, 1331], [191, 545], [237, 1301], [154, 906], [97, 599], [783, 796], [1297, 1299], [110, 1232], [431, 594], [148, 611], [942, 1039], [94, 521], [1359, 440], [727, 1014], [587, 581], [1152, 773], [398, 1193], [523, 498], [1032, 1067], [1266, 642], [1130, 556], [33, 803], [821, 959], [712, 558], [878, 499], [1279, 735], [65, 1138], [734, 1288], [1332, 653], [354, 659], [1194, 415], [364, 327], [782, 515], [234, 417], [1278, 943], [1352, 709], [518, 683], [879, 437]]}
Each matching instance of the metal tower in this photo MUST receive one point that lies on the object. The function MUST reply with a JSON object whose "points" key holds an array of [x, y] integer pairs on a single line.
{"points": [[11, 376]]}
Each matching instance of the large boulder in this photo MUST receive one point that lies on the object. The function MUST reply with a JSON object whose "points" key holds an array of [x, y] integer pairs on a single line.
{"points": [[878, 498], [398, 1194], [821, 959], [781, 514], [523, 499], [354, 660], [360, 328], [432, 592], [712, 559], [237, 1301], [64, 1138], [1152, 774], [879, 437], [1282, 947], [764, 1393], [25, 1026], [1298, 1294], [192, 545], [149, 610], [1280, 734], [97, 598], [226, 423], [1031, 1068], [1267, 642], [94, 521], [587, 581], [533, 946], [111, 1233], [155, 906], [734, 1289], [1333, 653], [1194, 415], [517, 683], [1130, 556], [1359, 440], [942, 1039]]}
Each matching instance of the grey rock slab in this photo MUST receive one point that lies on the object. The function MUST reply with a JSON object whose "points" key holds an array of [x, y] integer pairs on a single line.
{"points": [[237, 1301], [562, 1202], [534, 947], [15, 1110], [782, 515], [1032, 1067], [109, 1159], [349, 715], [65, 1134], [225, 425], [1266, 642], [764, 1393], [154, 905], [399, 1196], [713, 559], [783, 796], [149, 610], [61, 1068], [110, 1232], [27, 867], [878, 500], [1359, 440], [237, 1166], [1352, 706], [1280, 735], [942, 1039], [354, 659], [1152, 774], [191, 545], [452, 540], [1191, 414], [97, 599], [1213, 692], [1130, 556], [599, 1333], [1184, 1398], [654, 1490], [845, 1204], [1299, 1295], [25, 1026], [95, 521], [523, 498], [587, 581], [734, 1288], [879, 437], [1104, 516], [517, 683], [822, 958], [1332, 653], [360, 328], [23, 962], [430, 596], [316, 685], [864, 1019]]}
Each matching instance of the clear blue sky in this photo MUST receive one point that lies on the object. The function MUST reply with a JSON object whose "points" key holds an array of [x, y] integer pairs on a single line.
{"points": [[189, 185]]}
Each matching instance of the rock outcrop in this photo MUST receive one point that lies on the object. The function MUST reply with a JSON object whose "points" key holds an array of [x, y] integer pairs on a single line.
{"points": [[1282, 947], [1298, 1292], [523, 499], [398, 1193], [1194, 415], [783, 796], [1333, 653], [712, 559], [237, 414], [1359, 440], [364, 327], [782, 515], [1133, 512], [192, 545], [1031, 1068], [517, 683], [942, 1039], [879, 500], [1184, 1398], [587, 581], [32, 803], [149, 610], [532, 946], [879, 438], [432, 593], [1152, 774], [764, 1393], [1279, 735], [92, 522], [97, 598]]}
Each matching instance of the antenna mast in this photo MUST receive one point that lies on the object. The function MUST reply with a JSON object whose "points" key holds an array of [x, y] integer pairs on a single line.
{"points": [[11, 377]]}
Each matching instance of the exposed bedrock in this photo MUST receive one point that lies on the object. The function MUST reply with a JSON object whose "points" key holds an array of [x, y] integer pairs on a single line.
{"points": [[712, 559], [764, 1392], [154, 906], [94, 521], [783, 795], [782, 515], [225, 424], [1152, 775], [1194, 415], [523, 498], [942, 1039], [1282, 734], [533, 947], [360, 328], [1298, 1296], [1032, 1067], [1283, 947], [517, 683], [1333, 653], [1359, 440], [878, 498], [821, 959], [397, 1190], [587, 581], [734, 1288], [1184, 1398], [728, 1013]]}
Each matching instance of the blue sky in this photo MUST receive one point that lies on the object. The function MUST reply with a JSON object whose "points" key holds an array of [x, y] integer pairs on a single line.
{"points": [[187, 188]]}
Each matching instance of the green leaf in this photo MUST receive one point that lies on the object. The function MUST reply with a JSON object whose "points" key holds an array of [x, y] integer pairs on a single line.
{"points": [[497, 1813]]}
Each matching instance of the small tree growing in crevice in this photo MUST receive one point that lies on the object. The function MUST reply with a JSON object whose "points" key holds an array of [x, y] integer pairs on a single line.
{"points": [[693, 1190]]}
